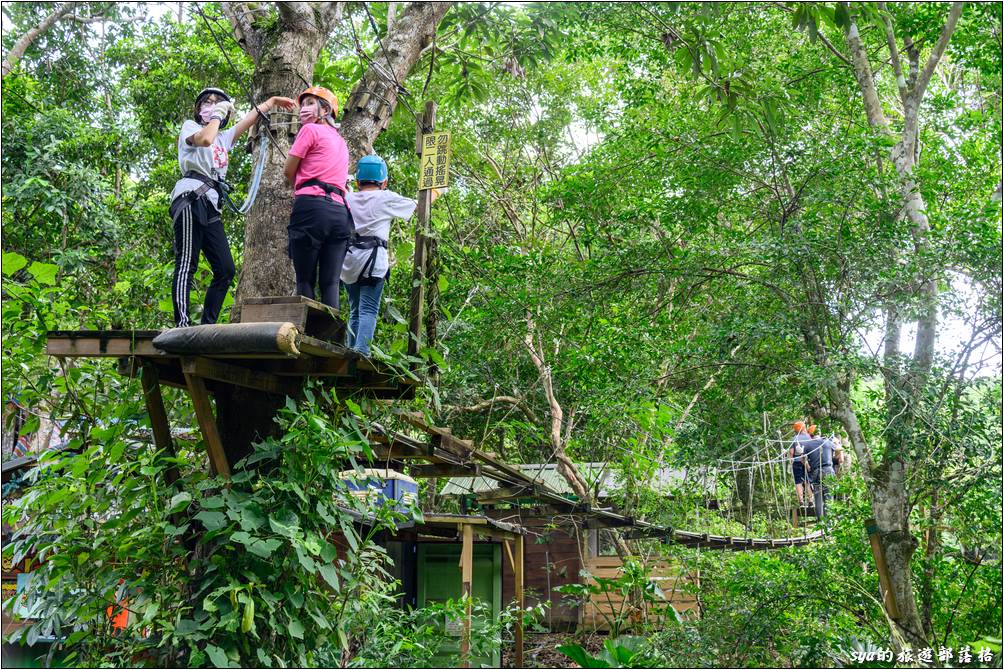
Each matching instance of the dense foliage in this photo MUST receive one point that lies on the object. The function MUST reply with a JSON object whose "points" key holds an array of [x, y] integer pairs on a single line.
{"points": [[684, 206]]}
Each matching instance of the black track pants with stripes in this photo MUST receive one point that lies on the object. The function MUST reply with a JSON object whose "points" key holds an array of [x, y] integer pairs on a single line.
{"points": [[198, 228]]}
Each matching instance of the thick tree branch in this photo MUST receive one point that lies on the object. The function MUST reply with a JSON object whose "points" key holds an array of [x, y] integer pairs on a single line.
{"points": [[866, 80], [566, 466], [507, 399], [21, 45], [331, 12], [939, 50], [890, 37], [374, 98], [249, 37]]}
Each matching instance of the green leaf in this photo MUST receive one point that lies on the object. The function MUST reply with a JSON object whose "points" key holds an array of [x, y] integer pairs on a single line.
{"points": [[330, 575], [295, 628], [12, 262], [217, 656], [581, 657], [179, 502], [264, 548], [211, 520], [840, 16], [44, 273], [306, 561], [242, 537], [285, 522]]}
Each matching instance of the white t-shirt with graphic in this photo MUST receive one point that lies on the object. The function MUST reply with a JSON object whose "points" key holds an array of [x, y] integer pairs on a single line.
{"points": [[211, 161], [372, 213]]}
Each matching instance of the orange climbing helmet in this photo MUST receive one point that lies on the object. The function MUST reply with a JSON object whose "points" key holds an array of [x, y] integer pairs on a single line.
{"points": [[812, 429], [798, 426], [323, 94]]}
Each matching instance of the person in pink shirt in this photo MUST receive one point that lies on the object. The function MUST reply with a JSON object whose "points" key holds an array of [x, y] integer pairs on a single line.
{"points": [[320, 227]]}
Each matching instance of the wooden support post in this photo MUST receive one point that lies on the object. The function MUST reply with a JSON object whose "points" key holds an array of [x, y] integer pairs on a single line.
{"points": [[427, 124], [467, 574], [520, 602], [207, 424], [878, 551], [158, 417]]}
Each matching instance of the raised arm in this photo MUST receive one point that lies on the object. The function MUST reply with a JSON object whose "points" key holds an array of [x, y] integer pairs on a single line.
{"points": [[267, 106]]}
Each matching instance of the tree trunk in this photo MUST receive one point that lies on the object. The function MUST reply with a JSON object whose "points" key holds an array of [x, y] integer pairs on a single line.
{"points": [[287, 61], [892, 514]]}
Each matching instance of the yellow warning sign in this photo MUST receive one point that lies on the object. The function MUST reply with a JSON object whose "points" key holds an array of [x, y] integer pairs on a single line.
{"points": [[435, 167]]}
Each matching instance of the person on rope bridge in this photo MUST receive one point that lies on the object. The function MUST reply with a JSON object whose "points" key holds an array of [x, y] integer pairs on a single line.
{"points": [[797, 455], [203, 155], [367, 267], [819, 458], [841, 461], [320, 225]]}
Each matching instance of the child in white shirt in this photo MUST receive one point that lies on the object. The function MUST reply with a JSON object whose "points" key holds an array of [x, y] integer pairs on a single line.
{"points": [[366, 265]]}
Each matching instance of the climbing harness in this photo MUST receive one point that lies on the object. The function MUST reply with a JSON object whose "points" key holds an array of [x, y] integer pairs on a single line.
{"points": [[328, 188], [372, 242]]}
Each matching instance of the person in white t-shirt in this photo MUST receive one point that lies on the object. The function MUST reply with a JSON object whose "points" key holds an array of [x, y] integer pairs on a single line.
{"points": [[203, 155], [366, 264]]}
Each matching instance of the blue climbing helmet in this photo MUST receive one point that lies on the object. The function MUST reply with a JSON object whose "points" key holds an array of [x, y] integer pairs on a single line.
{"points": [[371, 168]]}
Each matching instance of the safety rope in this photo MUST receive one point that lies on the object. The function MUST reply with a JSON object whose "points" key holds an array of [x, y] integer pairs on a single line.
{"points": [[257, 171]]}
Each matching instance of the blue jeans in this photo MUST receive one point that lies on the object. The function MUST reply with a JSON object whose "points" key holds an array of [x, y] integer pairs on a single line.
{"points": [[364, 304]]}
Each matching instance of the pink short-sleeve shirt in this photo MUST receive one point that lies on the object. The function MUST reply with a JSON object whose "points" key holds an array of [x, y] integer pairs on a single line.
{"points": [[323, 155]]}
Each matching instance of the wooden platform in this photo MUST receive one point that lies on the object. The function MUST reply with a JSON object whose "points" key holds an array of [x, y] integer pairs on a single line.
{"points": [[316, 352]]}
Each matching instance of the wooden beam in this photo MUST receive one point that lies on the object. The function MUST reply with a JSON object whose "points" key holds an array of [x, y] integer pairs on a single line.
{"points": [[306, 367], [520, 601], [445, 470], [417, 302], [158, 418], [238, 376], [505, 493], [98, 343], [466, 577], [494, 533], [207, 423], [878, 552]]}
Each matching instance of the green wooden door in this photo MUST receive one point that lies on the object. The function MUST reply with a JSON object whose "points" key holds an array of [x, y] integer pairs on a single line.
{"points": [[439, 579]]}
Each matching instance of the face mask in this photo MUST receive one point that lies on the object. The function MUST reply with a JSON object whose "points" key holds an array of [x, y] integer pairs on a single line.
{"points": [[308, 113], [205, 111]]}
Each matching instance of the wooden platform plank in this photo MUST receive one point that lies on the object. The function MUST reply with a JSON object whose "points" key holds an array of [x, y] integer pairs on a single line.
{"points": [[311, 318]]}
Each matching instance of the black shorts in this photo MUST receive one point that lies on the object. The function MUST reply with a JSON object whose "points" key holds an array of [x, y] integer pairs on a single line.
{"points": [[317, 221], [798, 470]]}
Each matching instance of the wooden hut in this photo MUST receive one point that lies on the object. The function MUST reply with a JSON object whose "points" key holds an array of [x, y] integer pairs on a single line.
{"points": [[560, 552]]}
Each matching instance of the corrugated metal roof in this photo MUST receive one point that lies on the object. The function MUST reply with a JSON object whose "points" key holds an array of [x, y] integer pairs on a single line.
{"points": [[547, 474]]}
